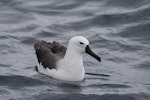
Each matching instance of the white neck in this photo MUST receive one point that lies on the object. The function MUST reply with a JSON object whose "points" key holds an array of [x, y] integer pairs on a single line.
{"points": [[73, 57], [73, 62]]}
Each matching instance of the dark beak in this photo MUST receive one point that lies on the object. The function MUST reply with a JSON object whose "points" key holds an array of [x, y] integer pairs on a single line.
{"points": [[90, 52]]}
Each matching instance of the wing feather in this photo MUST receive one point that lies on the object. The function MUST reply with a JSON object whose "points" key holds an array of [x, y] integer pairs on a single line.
{"points": [[49, 53]]}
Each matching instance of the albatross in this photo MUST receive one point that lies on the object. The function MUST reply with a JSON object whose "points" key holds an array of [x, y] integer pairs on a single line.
{"points": [[63, 63]]}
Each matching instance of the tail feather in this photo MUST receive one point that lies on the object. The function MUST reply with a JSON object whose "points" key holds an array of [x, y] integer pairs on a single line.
{"points": [[36, 68]]}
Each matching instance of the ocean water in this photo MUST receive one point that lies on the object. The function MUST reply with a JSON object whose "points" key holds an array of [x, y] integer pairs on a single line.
{"points": [[118, 31]]}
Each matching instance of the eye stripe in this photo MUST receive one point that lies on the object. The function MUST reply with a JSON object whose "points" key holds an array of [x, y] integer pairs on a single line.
{"points": [[81, 43]]}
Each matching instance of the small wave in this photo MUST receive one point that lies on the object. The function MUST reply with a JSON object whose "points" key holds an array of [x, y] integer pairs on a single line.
{"points": [[81, 97], [28, 40], [19, 81]]}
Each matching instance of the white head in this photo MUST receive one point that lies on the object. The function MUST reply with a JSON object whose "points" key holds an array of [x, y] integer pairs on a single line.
{"points": [[80, 44]]}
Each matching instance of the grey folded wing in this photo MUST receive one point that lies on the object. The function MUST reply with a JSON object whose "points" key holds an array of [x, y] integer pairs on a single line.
{"points": [[49, 53]]}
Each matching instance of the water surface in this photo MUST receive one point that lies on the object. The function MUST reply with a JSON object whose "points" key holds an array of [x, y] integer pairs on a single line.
{"points": [[118, 31]]}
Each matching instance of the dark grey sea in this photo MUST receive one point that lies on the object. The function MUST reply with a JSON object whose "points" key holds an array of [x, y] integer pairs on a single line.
{"points": [[118, 31]]}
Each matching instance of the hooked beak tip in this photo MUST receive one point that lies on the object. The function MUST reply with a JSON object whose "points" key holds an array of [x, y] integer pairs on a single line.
{"points": [[99, 59]]}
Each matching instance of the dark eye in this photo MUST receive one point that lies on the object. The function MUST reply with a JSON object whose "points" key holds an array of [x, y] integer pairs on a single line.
{"points": [[81, 43]]}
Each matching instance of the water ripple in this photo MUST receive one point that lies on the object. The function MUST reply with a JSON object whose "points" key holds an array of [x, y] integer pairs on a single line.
{"points": [[118, 32]]}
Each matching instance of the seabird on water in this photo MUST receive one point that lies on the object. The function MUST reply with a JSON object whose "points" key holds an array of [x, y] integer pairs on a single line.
{"points": [[63, 63]]}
